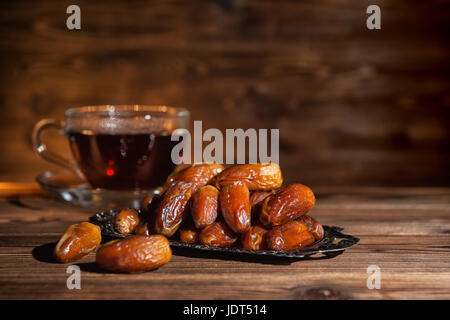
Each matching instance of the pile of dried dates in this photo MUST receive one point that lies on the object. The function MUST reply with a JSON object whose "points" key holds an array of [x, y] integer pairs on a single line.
{"points": [[242, 205]]}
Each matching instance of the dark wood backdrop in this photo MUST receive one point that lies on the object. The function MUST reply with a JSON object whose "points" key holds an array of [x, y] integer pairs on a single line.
{"points": [[353, 106]]}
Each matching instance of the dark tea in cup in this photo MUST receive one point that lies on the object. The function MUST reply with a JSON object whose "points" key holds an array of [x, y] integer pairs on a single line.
{"points": [[123, 161], [118, 147]]}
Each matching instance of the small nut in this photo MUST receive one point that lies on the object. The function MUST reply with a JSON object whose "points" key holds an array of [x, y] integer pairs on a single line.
{"points": [[126, 221], [77, 241], [136, 253]]}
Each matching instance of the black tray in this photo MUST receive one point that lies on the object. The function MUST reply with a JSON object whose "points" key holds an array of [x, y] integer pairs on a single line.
{"points": [[334, 241]]}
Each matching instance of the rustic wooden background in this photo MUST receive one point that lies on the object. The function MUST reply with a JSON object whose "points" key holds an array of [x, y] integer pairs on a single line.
{"points": [[353, 106]]}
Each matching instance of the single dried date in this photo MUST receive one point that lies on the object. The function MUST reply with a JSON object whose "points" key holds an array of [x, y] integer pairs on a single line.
{"points": [[136, 253], [293, 235], [200, 174], [314, 227], [77, 241], [218, 234], [255, 238], [286, 204], [205, 206], [257, 176], [235, 206], [173, 207]]}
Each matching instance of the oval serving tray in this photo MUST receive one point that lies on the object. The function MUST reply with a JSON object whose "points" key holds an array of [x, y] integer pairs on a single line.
{"points": [[333, 243]]}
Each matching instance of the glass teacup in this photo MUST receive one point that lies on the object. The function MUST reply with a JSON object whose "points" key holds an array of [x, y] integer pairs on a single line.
{"points": [[124, 147]]}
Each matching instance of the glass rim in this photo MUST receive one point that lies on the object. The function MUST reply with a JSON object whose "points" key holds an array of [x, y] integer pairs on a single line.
{"points": [[109, 110]]}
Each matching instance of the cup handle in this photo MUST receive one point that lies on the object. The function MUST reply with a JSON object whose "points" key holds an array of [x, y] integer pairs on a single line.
{"points": [[41, 148]]}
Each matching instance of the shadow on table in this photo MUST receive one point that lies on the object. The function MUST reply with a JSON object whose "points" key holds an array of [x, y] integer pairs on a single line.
{"points": [[16, 200], [185, 252], [44, 253], [91, 267]]}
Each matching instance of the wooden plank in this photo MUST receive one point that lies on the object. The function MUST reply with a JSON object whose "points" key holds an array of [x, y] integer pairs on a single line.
{"points": [[405, 274], [405, 231]]}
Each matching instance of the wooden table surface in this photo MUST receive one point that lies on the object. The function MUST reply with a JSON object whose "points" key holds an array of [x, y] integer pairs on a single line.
{"points": [[404, 231]]}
